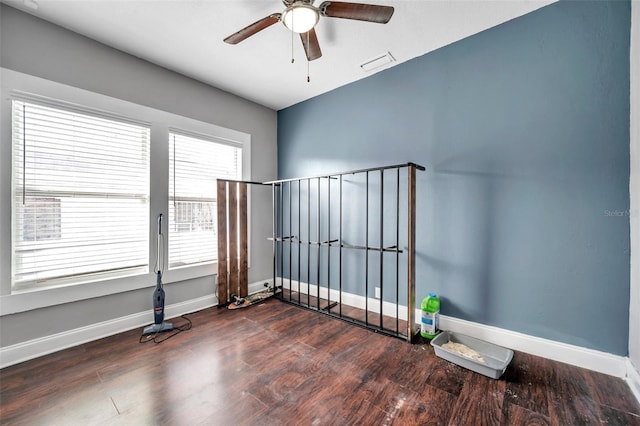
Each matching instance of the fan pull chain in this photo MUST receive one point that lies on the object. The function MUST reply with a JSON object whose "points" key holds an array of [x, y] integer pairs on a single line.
{"points": [[308, 61], [292, 60]]}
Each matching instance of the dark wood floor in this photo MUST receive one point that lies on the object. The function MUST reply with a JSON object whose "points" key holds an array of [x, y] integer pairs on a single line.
{"points": [[278, 364]]}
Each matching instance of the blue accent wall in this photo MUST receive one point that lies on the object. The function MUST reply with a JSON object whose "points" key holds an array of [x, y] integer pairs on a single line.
{"points": [[523, 212]]}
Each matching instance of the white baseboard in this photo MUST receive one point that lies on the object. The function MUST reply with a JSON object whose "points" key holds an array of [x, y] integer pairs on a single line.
{"points": [[575, 355], [259, 285], [25, 351], [349, 299], [633, 379], [602, 362], [591, 359]]}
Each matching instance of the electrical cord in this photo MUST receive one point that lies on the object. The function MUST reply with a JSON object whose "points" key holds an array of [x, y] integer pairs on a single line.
{"points": [[176, 330]]}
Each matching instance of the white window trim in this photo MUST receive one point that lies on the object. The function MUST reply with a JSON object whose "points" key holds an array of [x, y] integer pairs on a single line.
{"points": [[214, 140], [36, 102], [13, 82]]}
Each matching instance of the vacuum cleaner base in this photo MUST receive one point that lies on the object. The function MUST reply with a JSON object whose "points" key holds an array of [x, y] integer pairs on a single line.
{"points": [[157, 328]]}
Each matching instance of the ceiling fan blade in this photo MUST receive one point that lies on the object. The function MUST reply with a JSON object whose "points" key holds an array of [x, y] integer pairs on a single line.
{"points": [[358, 11], [250, 30], [311, 45]]}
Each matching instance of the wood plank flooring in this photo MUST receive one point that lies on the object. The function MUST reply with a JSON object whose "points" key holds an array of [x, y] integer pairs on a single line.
{"points": [[276, 364]]}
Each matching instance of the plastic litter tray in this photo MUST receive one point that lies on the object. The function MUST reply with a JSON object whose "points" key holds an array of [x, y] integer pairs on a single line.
{"points": [[496, 357]]}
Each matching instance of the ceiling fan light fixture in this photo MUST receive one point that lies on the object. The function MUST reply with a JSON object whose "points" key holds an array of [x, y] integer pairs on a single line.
{"points": [[300, 17]]}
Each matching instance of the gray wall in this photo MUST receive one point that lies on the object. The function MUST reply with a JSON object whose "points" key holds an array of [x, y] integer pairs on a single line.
{"points": [[524, 129], [32, 46]]}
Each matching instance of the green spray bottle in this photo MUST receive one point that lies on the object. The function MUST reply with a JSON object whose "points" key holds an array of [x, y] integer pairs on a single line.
{"points": [[430, 321]]}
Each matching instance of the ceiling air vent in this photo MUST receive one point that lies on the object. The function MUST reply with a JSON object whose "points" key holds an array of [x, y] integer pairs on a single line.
{"points": [[377, 62]]}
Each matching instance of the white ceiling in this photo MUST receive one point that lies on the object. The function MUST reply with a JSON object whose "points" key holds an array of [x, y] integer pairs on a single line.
{"points": [[186, 36]]}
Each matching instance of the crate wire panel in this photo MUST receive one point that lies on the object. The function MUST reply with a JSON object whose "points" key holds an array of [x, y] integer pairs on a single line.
{"points": [[314, 245]]}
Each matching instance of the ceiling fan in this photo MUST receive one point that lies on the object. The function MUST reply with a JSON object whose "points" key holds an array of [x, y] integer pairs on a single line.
{"points": [[301, 16]]}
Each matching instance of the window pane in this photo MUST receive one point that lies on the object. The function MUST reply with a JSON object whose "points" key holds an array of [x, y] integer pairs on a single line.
{"points": [[81, 187], [41, 219], [194, 166]]}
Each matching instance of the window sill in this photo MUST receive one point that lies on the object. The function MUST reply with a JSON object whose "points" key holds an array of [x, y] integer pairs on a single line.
{"points": [[36, 299]]}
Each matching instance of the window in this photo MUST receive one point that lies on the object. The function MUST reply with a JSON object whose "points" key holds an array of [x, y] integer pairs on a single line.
{"points": [[195, 162], [194, 216], [42, 220], [80, 196]]}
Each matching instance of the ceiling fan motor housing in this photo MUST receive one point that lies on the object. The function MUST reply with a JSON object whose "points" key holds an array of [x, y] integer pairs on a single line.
{"points": [[300, 16]]}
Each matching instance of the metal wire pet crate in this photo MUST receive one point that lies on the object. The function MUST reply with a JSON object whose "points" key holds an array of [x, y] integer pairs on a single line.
{"points": [[313, 241]]}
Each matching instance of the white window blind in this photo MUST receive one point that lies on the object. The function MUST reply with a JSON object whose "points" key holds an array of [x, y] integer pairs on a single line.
{"points": [[194, 165], [80, 196]]}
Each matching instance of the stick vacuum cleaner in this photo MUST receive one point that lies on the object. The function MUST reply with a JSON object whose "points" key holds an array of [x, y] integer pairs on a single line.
{"points": [[158, 295]]}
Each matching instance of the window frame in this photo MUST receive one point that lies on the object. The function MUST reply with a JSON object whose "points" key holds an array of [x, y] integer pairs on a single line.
{"points": [[210, 139], [17, 83], [88, 277]]}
